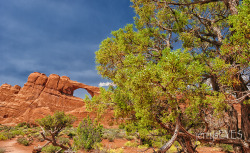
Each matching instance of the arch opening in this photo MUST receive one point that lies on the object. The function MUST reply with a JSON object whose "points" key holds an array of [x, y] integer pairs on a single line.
{"points": [[81, 93]]}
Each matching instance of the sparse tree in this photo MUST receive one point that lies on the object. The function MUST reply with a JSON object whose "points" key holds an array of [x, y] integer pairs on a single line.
{"points": [[53, 125], [186, 91]]}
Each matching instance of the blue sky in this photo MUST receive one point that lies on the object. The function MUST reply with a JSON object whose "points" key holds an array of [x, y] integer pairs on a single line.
{"points": [[56, 36]]}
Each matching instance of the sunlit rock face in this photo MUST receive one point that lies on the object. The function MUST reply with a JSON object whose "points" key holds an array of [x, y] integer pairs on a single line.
{"points": [[40, 96]]}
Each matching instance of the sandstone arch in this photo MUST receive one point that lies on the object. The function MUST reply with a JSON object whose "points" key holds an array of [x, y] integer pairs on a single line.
{"points": [[39, 96]]}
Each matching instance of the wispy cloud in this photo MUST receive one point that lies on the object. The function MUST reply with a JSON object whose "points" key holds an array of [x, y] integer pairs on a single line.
{"points": [[106, 84]]}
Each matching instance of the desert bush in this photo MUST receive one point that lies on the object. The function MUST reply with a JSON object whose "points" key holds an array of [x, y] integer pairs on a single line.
{"points": [[88, 133], [40, 138], [17, 132], [121, 126], [52, 127], [51, 149], [24, 141], [111, 138], [226, 147], [35, 135], [63, 140], [99, 148], [130, 144], [115, 133], [6, 135], [57, 122], [145, 146], [4, 128], [23, 124], [70, 132], [119, 150], [130, 137], [3, 137], [71, 135]]}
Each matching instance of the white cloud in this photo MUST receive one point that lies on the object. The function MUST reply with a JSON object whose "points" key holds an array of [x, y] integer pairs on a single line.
{"points": [[105, 84]]}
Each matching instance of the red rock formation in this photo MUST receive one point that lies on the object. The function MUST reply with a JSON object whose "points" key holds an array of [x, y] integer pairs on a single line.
{"points": [[40, 96]]}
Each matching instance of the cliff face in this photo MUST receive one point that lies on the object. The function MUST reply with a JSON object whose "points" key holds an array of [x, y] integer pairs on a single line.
{"points": [[40, 96]]}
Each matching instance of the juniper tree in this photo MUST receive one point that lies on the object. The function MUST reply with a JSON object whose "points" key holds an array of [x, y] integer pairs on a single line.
{"points": [[180, 68], [53, 125]]}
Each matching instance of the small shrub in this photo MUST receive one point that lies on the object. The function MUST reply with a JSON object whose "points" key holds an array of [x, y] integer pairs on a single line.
{"points": [[35, 135], [23, 124], [88, 133], [70, 132], [6, 135], [143, 146], [116, 133], [111, 138], [17, 132], [40, 138], [121, 126], [4, 128], [24, 141], [100, 149], [2, 150], [119, 150], [71, 135], [105, 136], [226, 147], [130, 144], [54, 125], [63, 140], [3, 137], [129, 137], [50, 149], [172, 149]]}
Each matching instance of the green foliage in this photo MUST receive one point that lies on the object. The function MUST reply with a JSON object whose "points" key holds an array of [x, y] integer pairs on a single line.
{"points": [[121, 126], [52, 127], [130, 144], [111, 138], [155, 83], [226, 147], [70, 132], [50, 149], [129, 137], [63, 140], [17, 132], [3, 128], [6, 135], [3, 137], [57, 122], [88, 133], [99, 148], [24, 141], [115, 133], [23, 124]]}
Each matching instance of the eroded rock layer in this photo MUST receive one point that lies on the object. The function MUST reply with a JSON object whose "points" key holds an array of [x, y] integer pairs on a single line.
{"points": [[40, 96]]}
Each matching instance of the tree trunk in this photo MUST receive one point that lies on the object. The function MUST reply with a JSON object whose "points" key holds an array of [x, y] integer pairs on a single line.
{"points": [[233, 121], [186, 144], [233, 127], [245, 113], [245, 124], [165, 147]]}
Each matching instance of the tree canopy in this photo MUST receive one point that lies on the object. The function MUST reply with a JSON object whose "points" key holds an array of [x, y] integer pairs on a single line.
{"points": [[180, 68]]}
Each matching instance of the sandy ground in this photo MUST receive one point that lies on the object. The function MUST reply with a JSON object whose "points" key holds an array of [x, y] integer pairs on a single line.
{"points": [[11, 146]]}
